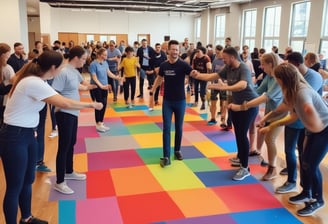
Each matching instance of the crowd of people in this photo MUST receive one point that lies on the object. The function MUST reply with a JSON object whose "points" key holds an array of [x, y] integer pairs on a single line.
{"points": [[289, 86]]}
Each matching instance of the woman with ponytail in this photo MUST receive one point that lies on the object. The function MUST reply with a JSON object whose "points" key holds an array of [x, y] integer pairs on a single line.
{"points": [[18, 142]]}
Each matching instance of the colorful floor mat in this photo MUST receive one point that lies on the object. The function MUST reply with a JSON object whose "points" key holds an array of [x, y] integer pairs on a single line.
{"points": [[125, 183]]}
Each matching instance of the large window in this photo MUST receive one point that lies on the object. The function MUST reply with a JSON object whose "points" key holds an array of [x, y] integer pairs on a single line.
{"points": [[299, 25], [249, 28], [220, 21], [271, 27], [324, 36], [197, 28]]}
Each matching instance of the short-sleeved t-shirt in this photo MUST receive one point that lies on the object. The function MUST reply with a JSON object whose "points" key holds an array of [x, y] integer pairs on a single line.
{"points": [[174, 79], [23, 106], [112, 64], [272, 90], [7, 74], [100, 70], [234, 75], [67, 84], [129, 65], [309, 95]]}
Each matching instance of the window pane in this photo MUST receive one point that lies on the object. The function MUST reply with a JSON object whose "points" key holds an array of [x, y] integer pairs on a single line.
{"points": [[220, 26], [250, 23], [324, 48], [269, 43], [297, 45], [300, 19], [197, 27]]}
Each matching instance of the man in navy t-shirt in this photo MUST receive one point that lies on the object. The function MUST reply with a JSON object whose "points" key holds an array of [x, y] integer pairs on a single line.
{"points": [[173, 72]]}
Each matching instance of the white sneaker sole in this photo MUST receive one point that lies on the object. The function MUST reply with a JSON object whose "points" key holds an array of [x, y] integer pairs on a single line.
{"points": [[63, 192]]}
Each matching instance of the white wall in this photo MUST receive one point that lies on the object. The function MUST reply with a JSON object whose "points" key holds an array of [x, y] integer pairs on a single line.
{"points": [[14, 18], [177, 26]]}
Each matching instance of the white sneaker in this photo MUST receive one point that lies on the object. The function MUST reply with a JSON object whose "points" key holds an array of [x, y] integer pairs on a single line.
{"points": [[151, 109], [53, 134], [63, 188], [100, 128], [75, 176], [105, 127]]}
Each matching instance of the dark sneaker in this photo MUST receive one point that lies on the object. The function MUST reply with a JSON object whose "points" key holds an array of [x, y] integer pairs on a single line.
{"points": [[43, 168], [241, 174], [264, 163], [202, 107], [286, 188], [254, 153], [284, 172], [223, 126], [165, 161], [211, 122], [310, 208], [299, 199], [33, 220], [178, 155]]}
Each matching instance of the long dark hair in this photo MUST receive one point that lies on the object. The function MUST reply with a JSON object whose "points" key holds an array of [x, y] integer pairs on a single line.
{"points": [[38, 66]]}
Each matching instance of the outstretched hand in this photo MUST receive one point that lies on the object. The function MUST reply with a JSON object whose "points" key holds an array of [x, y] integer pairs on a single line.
{"points": [[97, 105]]}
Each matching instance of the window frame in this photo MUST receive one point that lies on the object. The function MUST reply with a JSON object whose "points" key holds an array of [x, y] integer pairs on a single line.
{"points": [[274, 39], [249, 40]]}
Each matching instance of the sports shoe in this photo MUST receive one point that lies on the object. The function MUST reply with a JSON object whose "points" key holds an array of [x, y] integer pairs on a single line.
{"points": [[223, 126], [202, 107], [150, 109], [212, 122], [63, 188], [42, 168], [254, 153], [270, 174], [235, 161], [286, 188], [264, 163], [299, 199], [284, 172], [310, 208], [53, 134], [105, 127], [178, 155], [165, 161], [75, 176], [241, 174], [100, 128], [33, 220]]}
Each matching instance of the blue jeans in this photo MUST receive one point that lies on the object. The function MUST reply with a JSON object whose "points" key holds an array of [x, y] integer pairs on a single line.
{"points": [[315, 150], [292, 137], [241, 121], [19, 149], [169, 108], [67, 130]]}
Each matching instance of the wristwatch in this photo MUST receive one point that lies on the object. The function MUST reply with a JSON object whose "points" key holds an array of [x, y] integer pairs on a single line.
{"points": [[150, 93]]}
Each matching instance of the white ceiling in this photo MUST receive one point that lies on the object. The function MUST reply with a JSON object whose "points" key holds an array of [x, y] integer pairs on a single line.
{"points": [[185, 6]]}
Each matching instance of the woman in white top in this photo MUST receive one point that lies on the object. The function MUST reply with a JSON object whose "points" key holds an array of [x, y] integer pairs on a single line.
{"points": [[18, 142], [6, 75]]}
